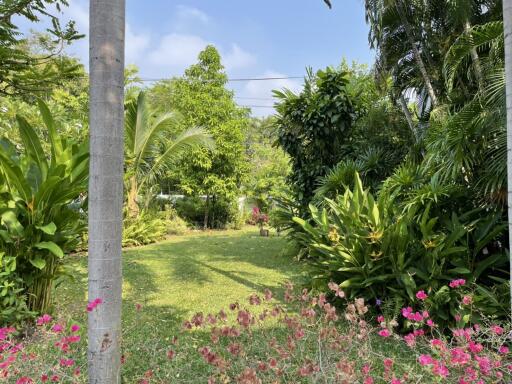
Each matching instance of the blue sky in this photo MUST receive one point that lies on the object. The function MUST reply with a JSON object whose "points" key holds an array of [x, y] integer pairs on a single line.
{"points": [[263, 38]]}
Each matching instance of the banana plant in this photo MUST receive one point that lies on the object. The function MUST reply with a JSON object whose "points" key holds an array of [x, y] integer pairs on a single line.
{"points": [[38, 222]]}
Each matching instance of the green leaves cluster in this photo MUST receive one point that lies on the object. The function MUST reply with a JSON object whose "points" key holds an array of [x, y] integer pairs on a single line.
{"points": [[313, 128], [39, 210], [23, 71], [203, 101], [381, 249]]}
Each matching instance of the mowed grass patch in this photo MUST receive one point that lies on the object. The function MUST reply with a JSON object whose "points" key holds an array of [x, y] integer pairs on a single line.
{"points": [[174, 279]]}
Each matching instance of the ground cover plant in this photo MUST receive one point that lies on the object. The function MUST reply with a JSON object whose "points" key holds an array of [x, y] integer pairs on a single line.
{"points": [[294, 336]]}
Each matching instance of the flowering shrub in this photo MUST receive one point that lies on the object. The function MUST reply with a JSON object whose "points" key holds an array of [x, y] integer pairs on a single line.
{"points": [[259, 218], [300, 339]]}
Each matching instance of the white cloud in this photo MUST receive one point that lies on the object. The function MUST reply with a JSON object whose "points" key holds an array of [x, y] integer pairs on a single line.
{"points": [[135, 46], [187, 14], [238, 58], [135, 43], [177, 50]]}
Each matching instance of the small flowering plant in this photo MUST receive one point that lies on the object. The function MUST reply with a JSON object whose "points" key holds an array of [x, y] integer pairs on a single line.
{"points": [[259, 218]]}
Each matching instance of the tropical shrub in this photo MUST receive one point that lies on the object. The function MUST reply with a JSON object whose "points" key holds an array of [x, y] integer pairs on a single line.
{"points": [[152, 145], [145, 228], [313, 128], [377, 251], [221, 211], [38, 221], [259, 218]]}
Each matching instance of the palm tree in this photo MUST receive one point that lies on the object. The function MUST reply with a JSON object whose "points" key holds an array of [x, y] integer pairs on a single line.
{"points": [[393, 32], [107, 32], [150, 146], [507, 23]]}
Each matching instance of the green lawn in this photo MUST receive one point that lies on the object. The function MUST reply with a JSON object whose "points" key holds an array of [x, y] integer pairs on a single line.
{"points": [[181, 276]]}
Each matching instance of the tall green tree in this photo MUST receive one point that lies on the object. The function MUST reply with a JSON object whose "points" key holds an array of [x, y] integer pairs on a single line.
{"points": [[203, 100], [269, 164], [152, 146], [23, 71], [313, 128], [107, 32]]}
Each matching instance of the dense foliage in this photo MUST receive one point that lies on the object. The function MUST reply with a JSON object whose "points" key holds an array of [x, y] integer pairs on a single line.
{"points": [[40, 219], [201, 97], [313, 128], [269, 165], [26, 71]]}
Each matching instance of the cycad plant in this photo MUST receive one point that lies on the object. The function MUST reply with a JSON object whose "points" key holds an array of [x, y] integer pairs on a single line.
{"points": [[151, 145], [38, 221]]}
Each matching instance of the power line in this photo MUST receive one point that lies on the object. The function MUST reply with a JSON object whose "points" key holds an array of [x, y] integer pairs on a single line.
{"points": [[254, 98], [256, 106], [232, 80]]}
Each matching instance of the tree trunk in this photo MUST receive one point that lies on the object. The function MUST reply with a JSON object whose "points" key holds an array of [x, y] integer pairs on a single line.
{"points": [[206, 211], [408, 116], [475, 58], [133, 206], [107, 30], [417, 55], [507, 22]]}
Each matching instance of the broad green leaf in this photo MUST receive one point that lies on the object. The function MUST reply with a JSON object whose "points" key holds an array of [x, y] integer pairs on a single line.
{"points": [[52, 247], [10, 220], [49, 229], [38, 262], [55, 141], [14, 177], [32, 145]]}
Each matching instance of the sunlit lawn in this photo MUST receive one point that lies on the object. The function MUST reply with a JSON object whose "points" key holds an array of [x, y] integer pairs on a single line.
{"points": [[176, 278]]}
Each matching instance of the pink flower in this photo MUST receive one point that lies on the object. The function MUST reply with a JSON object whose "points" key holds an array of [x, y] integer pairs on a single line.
{"points": [[440, 370], [380, 319], [395, 381], [421, 295], [430, 323], [497, 330], [438, 344], [475, 347], [368, 380], [457, 283], [410, 339], [66, 362], [93, 304], [467, 300], [24, 380], [425, 360], [406, 312], [57, 328], [75, 328], [384, 333], [45, 319], [503, 350]]}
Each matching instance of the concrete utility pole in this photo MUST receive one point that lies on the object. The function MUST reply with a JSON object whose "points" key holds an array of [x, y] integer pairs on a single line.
{"points": [[107, 31]]}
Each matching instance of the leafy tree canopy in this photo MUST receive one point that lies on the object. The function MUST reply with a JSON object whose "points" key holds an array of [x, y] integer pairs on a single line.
{"points": [[22, 69], [203, 101], [314, 127]]}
